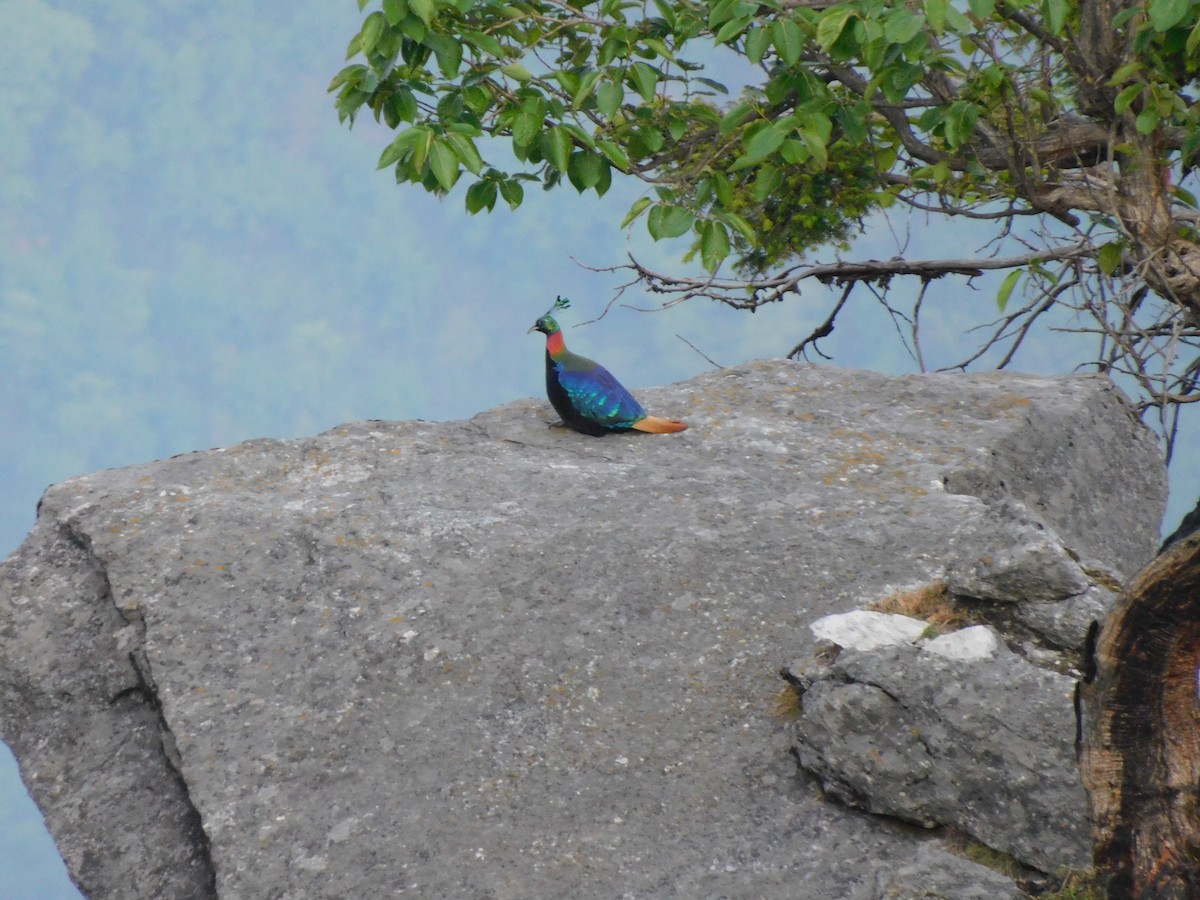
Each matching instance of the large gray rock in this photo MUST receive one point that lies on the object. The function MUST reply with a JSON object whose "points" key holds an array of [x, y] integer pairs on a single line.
{"points": [[493, 659]]}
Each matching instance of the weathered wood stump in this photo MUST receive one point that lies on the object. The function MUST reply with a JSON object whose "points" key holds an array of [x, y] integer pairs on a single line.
{"points": [[1140, 732]]}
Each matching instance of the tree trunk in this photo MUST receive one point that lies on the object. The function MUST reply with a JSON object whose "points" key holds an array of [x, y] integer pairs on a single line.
{"points": [[1169, 261], [1140, 731]]}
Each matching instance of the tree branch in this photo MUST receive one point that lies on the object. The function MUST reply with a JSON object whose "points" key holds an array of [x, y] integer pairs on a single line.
{"points": [[753, 293]]}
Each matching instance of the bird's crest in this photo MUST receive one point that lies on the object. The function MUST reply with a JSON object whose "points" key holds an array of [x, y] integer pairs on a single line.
{"points": [[559, 303]]}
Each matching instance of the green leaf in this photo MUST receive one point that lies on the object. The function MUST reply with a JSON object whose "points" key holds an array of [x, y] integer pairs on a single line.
{"points": [[853, 122], [422, 144], [423, 10], [668, 221], [935, 12], [517, 72], [1109, 257], [582, 138], [412, 29], [659, 48], [714, 245], [404, 102], [443, 162], [1127, 96], [815, 142], [528, 123], [586, 168], [609, 97], [960, 120], [1166, 14], [391, 153], [1054, 12], [615, 152], [766, 183], [415, 140], [644, 79], [394, 11], [759, 146], [1006, 288], [568, 79], [1193, 40], [650, 138], [605, 181], [480, 195], [831, 24], [448, 51], [371, 30], [556, 147], [982, 8], [1148, 119], [465, 150], [788, 40], [638, 207], [668, 11], [741, 226], [723, 188], [730, 30], [902, 26], [349, 73], [485, 43], [715, 85], [1126, 15], [512, 192], [722, 11], [758, 39], [587, 85], [736, 116]]}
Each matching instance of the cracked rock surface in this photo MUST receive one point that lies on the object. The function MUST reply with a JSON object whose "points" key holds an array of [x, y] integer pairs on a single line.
{"points": [[494, 659]]}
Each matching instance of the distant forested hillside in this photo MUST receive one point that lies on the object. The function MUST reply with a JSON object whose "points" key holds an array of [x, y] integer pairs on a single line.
{"points": [[193, 251]]}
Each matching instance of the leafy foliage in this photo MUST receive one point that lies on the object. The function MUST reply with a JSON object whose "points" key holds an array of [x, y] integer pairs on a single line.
{"points": [[1075, 115], [580, 91]]}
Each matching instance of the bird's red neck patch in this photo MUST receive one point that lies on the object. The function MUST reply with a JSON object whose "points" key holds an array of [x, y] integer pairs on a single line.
{"points": [[555, 343]]}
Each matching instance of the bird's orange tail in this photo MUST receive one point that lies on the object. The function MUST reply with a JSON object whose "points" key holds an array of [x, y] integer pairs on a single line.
{"points": [[657, 425]]}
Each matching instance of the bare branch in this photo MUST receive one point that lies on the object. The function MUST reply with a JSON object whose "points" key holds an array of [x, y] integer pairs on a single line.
{"points": [[753, 293], [823, 330]]}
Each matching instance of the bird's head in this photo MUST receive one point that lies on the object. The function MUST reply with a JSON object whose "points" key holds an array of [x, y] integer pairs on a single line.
{"points": [[546, 324]]}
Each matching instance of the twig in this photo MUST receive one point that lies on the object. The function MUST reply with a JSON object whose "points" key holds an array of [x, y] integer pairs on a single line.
{"points": [[715, 365], [823, 330]]}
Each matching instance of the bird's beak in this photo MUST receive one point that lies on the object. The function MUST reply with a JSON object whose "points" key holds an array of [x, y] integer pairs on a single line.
{"points": [[532, 329]]}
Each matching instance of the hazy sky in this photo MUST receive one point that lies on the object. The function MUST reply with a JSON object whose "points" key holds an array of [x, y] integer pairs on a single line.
{"points": [[193, 252]]}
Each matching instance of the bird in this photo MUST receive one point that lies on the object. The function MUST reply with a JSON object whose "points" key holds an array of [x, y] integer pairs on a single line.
{"points": [[586, 395]]}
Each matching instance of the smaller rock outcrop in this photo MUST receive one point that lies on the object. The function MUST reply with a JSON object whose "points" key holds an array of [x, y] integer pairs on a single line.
{"points": [[958, 732], [975, 728]]}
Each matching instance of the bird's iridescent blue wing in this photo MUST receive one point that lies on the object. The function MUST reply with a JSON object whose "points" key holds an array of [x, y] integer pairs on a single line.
{"points": [[598, 396]]}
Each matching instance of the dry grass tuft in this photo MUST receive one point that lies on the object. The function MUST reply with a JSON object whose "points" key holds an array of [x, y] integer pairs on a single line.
{"points": [[931, 603], [789, 703]]}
